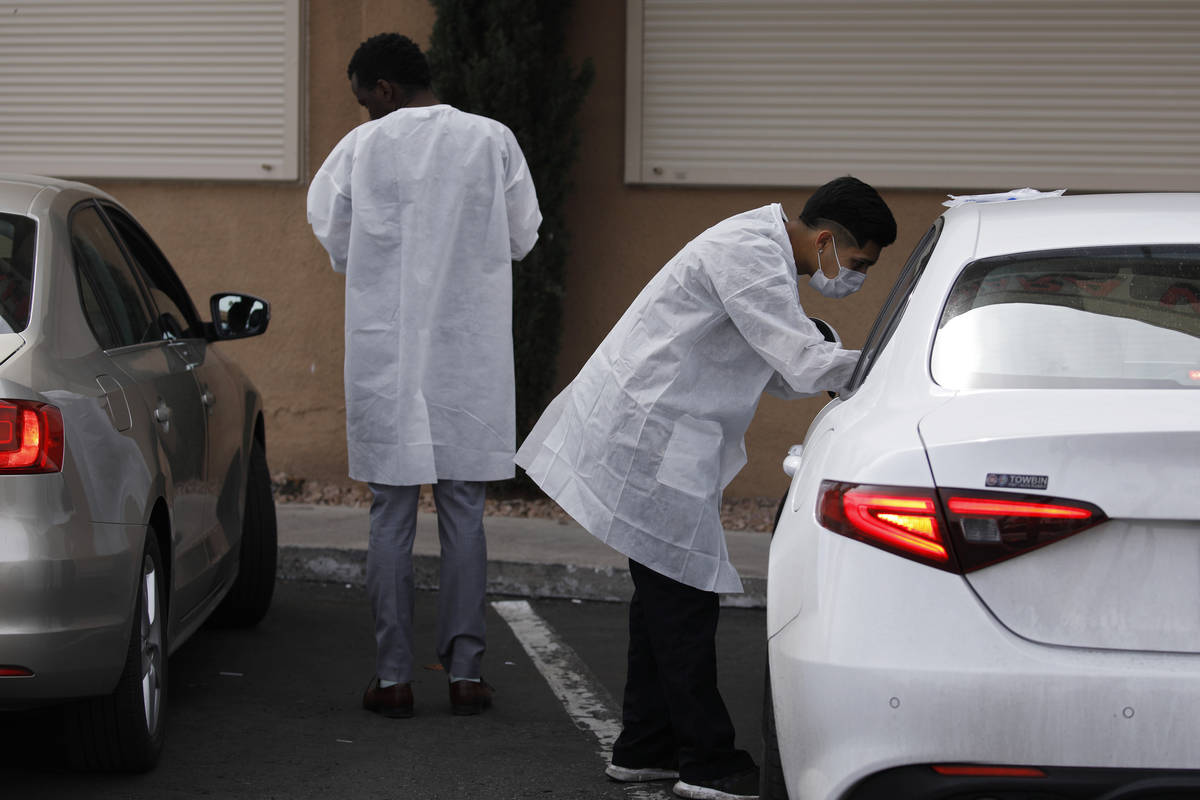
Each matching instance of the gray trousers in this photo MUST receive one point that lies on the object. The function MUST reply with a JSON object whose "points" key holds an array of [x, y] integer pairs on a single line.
{"points": [[462, 583]]}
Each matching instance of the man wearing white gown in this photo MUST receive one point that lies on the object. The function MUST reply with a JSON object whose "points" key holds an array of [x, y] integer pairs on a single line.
{"points": [[424, 208], [640, 445]]}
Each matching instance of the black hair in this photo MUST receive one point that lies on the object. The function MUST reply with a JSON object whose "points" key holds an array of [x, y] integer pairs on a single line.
{"points": [[392, 57], [856, 207]]}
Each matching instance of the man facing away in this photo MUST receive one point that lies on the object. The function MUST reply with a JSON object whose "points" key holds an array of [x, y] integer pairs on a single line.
{"points": [[424, 208], [640, 445]]}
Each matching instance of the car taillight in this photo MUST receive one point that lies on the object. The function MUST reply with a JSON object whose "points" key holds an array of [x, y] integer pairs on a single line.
{"points": [[15, 672], [903, 520], [987, 527], [958, 530], [31, 437]]}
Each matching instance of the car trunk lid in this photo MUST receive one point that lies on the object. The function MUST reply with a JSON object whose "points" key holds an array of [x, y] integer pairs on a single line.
{"points": [[1131, 582]]}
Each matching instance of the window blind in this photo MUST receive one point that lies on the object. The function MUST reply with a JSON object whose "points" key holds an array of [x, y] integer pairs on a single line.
{"points": [[1084, 94], [151, 88]]}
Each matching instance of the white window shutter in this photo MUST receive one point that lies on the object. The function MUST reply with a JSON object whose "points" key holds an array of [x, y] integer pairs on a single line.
{"points": [[206, 89], [1084, 94]]}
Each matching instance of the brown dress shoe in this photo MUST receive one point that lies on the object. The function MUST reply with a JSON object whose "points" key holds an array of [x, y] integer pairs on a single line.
{"points": [[394, 701], [469, 697]]}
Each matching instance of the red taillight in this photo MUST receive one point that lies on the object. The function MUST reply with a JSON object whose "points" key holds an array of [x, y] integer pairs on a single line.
{"points": [[905, 521], [31, 437], [958, 530], [1011, 508], [15, 672], [988, 527], [984, 771]]}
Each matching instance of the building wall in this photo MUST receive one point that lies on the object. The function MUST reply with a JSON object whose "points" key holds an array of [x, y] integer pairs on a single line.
{"points": [[621, 235], [255, 238]]}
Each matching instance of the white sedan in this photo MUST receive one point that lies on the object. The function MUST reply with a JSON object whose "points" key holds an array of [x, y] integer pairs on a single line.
{"points": [[985, 581]]}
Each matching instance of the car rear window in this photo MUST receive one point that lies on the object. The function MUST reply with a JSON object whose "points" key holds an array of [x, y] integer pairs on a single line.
{"points": [[17, 237], [1111, 317]]}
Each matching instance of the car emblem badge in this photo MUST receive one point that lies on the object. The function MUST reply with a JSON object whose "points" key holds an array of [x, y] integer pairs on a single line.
{"points": [[1006, 481]]}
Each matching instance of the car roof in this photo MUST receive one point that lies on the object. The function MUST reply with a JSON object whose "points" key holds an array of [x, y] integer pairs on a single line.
{"points": [[1052, 223], [18, 192]]}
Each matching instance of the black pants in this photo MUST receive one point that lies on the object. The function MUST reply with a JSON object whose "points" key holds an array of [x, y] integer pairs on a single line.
{"points": [[673, 713]]}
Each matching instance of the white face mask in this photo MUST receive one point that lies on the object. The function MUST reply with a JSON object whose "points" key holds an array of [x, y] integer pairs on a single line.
{"points": [[847, 281]]}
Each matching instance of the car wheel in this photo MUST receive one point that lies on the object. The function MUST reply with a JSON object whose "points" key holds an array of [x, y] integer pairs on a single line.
{"points": [[771, 785], [250, 596], [124, 731]]}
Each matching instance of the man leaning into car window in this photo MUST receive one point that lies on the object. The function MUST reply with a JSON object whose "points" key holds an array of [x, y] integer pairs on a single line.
{"points": [[640, 445]]}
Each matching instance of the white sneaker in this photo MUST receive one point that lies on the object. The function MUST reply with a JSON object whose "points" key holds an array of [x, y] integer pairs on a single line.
{"points": [[642, 775], [742, 786]]}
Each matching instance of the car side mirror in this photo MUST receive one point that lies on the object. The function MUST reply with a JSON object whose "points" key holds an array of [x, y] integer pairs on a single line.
{"points": [[830, 336], [238, 316]]}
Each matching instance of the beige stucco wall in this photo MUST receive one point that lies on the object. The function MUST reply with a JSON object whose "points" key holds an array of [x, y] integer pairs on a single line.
{"points": [[255, 238], [622, 235]]}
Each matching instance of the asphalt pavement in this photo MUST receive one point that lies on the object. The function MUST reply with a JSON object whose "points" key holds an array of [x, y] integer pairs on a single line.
{"points": [[274, 712], [532, 558]]}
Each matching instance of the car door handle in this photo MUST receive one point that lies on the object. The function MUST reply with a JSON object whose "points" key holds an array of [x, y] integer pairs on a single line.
{"points": [[163, 414]]}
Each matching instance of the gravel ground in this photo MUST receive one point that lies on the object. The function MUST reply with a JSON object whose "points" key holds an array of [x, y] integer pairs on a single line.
{"points": [[737, 514]]}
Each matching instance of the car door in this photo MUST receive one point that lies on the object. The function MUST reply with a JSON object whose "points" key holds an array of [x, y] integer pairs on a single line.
{"points": [[155, 365], [224, 409]]}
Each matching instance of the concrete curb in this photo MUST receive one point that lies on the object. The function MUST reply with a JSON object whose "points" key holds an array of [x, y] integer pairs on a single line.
{"points": [[509, 578], [527, 558]]}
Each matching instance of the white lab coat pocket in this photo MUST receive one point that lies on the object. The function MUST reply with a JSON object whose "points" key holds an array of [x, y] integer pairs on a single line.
{"points": [[692, 460]]}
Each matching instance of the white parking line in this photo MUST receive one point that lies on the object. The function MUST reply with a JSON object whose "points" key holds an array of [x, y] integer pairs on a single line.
{"points": [[587, 703]]}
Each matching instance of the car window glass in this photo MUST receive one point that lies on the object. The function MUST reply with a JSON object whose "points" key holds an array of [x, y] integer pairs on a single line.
{"points": [[889, 315], [176, 316], [1111, 317], [18, 236], [99, 319], [112, 298]]}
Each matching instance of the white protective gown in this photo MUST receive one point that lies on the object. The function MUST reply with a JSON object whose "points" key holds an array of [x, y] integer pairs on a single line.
{"points": [[424, 210], [640, 445]]}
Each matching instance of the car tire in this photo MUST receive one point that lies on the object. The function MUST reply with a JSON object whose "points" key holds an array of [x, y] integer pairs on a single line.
{"points": [[124, 731], [771, 785], [250, 596]]}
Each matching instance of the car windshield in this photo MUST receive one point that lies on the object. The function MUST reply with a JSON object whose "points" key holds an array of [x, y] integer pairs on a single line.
{"points": [[17, 237], [1111, 317]]}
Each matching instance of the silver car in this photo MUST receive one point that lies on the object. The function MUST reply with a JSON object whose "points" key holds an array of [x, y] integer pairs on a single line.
{"points": [[135, 500]]}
